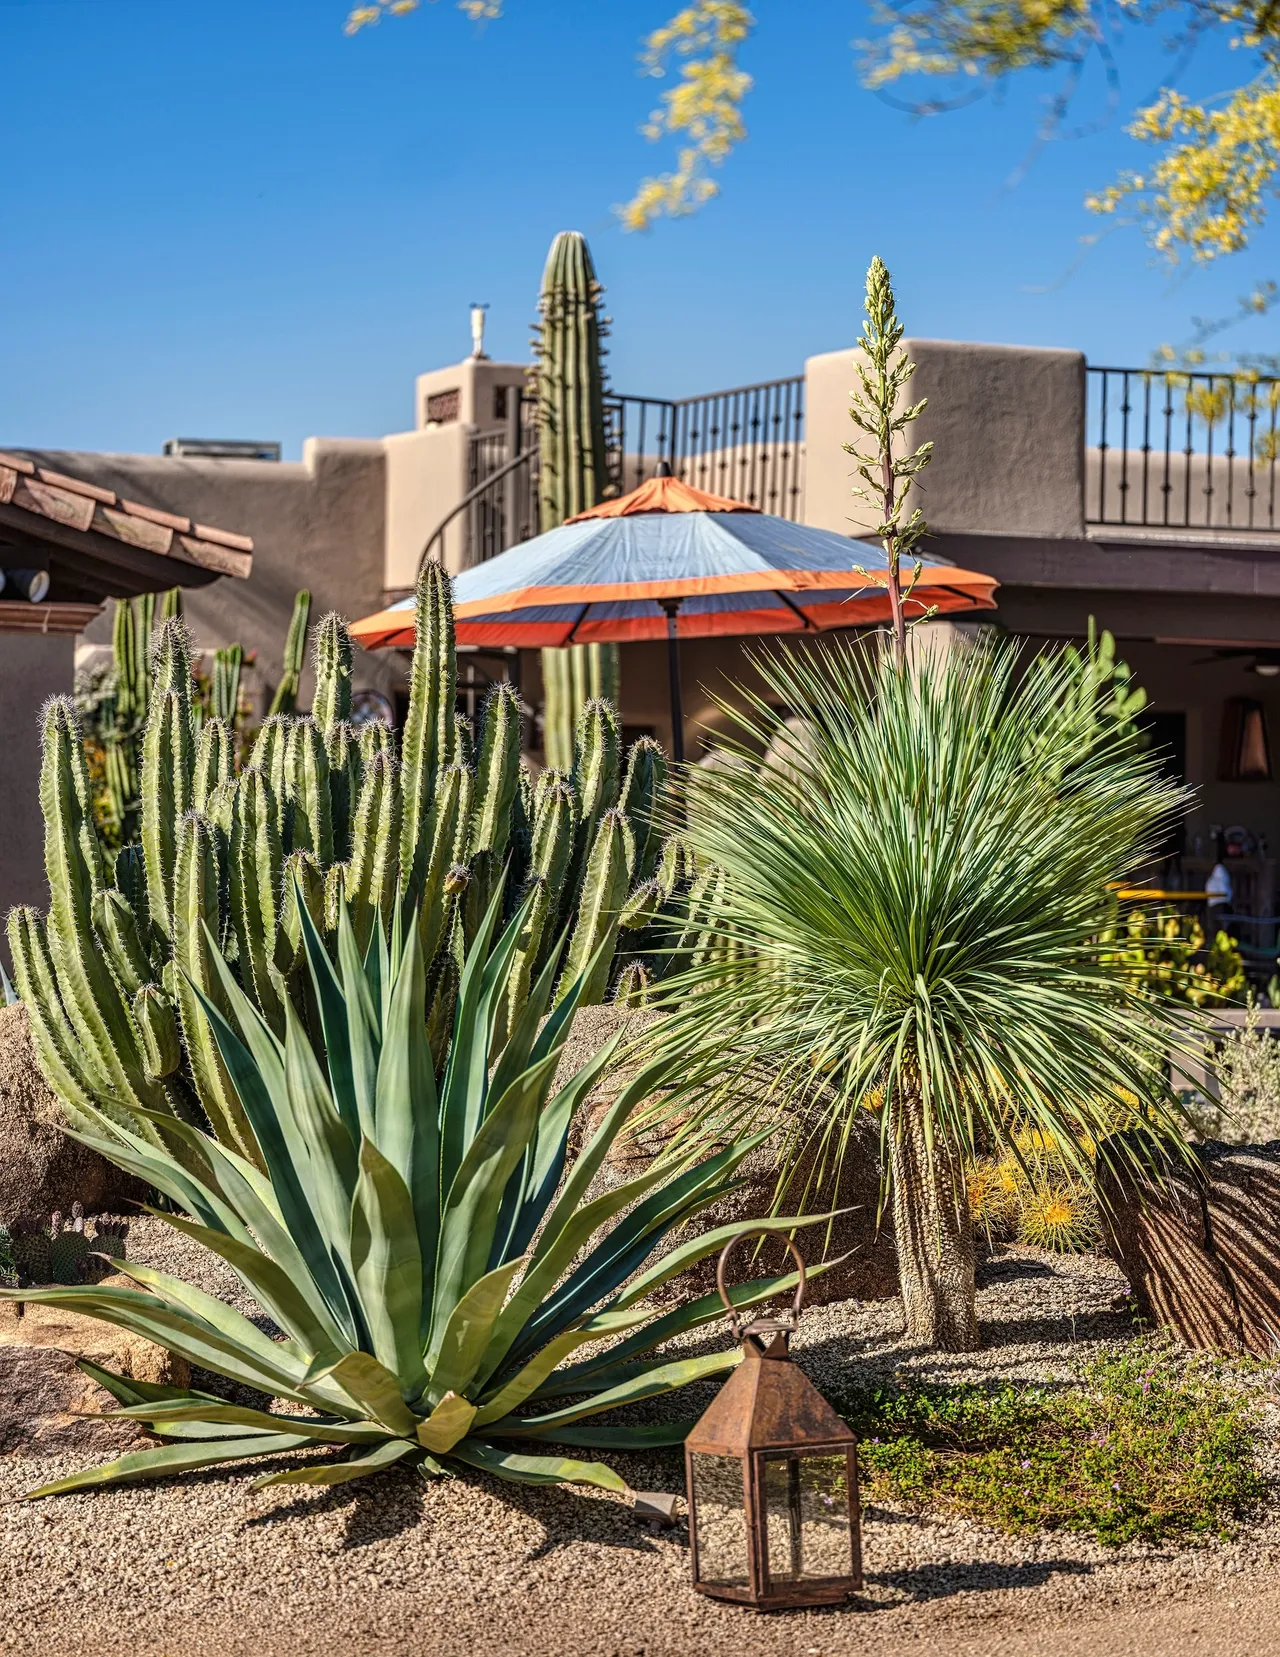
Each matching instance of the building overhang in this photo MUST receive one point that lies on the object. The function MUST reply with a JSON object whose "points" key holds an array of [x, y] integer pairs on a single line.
{"points": [[96, 545]]}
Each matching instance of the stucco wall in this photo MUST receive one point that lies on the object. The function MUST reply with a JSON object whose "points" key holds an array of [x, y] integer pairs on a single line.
{"points": [[1007, 425], [33, 667], [318, 524]]}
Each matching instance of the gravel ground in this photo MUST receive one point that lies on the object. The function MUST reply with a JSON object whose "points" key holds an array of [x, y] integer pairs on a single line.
{"points": [[203, 1565]]}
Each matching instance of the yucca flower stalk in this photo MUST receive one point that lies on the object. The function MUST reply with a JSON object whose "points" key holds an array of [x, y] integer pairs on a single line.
{"points": [[917, 885], [438, 1271]]}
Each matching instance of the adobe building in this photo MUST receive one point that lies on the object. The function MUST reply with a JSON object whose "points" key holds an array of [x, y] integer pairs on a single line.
{"points": [[1145, 500]]}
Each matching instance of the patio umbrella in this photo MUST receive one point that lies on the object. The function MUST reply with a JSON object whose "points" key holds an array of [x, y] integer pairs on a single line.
{"points": [[672, 561]]}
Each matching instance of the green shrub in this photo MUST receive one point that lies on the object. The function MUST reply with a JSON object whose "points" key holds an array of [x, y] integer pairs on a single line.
{"points": [[1143, 1450]]}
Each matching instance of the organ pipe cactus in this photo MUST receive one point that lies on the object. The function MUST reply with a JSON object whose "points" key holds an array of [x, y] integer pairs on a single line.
{"points": [[573, 469], [134, 954]]}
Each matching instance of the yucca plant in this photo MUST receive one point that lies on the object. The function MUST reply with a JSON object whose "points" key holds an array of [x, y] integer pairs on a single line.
{"points": [[918, 887], [429, 1259]]}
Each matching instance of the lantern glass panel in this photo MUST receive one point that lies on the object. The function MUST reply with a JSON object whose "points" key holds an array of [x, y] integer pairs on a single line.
{"points": [[720, 1516], [807, 1525]]}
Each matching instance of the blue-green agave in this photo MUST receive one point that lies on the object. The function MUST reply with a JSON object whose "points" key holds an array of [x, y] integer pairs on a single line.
{"points": [[438, 1270]]}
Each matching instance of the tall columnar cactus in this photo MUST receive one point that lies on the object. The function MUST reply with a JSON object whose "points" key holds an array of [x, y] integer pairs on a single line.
{"points": [[572, 461], [134, 958], [285, 699]]}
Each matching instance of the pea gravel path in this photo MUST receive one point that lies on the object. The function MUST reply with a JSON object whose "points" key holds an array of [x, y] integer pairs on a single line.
{"points": [[205, 1567]]}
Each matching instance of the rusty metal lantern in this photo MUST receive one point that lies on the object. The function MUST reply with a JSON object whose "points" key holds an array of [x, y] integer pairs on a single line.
{"points": [[772, 1476]]}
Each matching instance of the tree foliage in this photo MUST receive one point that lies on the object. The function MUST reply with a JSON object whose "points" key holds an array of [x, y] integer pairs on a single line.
{"points": [[1215, 163]]}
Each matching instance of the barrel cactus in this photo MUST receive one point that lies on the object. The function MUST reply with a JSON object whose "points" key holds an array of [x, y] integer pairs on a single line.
{"points": [[572, 462], [124, 975]]}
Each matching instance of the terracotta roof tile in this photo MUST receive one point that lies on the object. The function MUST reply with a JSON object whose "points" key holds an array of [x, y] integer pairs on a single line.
{"points": [[77, 486], [224, 538], [77, 504], [154, 515]]}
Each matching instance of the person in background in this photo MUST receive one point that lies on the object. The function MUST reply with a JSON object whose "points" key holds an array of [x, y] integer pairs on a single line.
{"points": [[1218, 884]]}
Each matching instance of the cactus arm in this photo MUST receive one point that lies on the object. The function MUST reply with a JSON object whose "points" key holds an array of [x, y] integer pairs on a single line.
{"points": [[557, 716], [332, 704], [428, 743], [196, 907], [285, 699], [448, 829], [307, 781], [528, 953], [157, 1032], [643, 795], [255, 870], [228, 664], [596, 765], [345, 775], [498, 771], [375, 849], [56, 1044], [167, 772], [214, 762], [603, 892], [117, 927]]}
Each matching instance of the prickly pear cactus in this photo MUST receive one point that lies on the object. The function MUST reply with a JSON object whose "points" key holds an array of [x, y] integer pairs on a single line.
{"points": [[69, 1249], [121, 977]]}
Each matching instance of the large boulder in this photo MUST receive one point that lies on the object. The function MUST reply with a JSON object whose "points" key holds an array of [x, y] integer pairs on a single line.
{"points": [[41, 1169], [1200, 1245], [869, 1273], [47, 1404]]}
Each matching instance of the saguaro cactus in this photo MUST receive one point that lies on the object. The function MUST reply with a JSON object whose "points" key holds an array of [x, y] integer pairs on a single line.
{"points": [[572, 461]]}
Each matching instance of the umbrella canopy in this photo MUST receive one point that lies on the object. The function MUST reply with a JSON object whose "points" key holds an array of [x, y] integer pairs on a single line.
{"points": [[611, 574]]}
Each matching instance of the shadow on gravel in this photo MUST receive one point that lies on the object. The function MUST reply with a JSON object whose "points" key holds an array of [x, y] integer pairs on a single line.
{"points": [[373, 1513], [1090, 1326], [937, 1581]]}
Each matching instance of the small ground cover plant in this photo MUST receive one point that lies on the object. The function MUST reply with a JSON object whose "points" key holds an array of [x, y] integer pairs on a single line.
{"points": [[1143, 1449]]}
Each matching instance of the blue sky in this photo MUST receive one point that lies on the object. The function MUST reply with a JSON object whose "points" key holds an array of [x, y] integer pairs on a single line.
{"points": [[231, 220]]}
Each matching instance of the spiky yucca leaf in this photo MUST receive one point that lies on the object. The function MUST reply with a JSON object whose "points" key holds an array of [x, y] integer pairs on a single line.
{"points": [[421, 1247]]}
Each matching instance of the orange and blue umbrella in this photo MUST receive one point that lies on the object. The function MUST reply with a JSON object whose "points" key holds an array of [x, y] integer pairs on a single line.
{"points": [[671, 561]]}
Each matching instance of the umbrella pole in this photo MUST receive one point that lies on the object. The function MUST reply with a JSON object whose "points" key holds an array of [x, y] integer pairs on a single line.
{"points": [[672, 607]]}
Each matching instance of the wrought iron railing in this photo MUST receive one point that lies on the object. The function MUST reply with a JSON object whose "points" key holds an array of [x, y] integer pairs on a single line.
{"points": [[747, 443], [1181, 450]]}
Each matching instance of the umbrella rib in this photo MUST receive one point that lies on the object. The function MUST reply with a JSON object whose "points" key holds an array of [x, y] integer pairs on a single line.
{"points": [[809, 626], [581, 615]]}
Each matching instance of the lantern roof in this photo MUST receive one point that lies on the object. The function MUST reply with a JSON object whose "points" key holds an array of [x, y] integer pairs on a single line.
{"points": [[767, 1401]]}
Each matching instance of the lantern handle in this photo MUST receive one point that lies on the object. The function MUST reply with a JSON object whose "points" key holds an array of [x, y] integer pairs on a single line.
{"points": [[722, 1273]]}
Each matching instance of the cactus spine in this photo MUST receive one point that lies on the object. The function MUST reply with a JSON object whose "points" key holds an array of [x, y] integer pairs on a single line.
{"points": [[573, 461]]}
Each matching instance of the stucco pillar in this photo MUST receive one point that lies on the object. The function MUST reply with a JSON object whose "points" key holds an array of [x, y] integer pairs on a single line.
{"points": [[1007, 425]]}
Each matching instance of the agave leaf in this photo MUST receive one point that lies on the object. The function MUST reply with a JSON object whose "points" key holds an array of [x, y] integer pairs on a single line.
{"points": [[329, 1176], [448, 1422], [647, 1435], [407, 1112], [155, 1168], [467, 1332], [383, 1455], [125, 1390], [525, 1382], [332, 1007], [364, 1028], [219, 1413], [171, 1458], [376, 1389], [475, 1198], [257, 1073], [270, 1285], [537, 1469], [651, 1384], [600, 1370], [711, 1242], [285, 1356], [534, 1183], [387, 1266]]}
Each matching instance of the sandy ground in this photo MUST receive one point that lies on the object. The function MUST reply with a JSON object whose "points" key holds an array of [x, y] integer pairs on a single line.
{"points": [[203, 1566]]}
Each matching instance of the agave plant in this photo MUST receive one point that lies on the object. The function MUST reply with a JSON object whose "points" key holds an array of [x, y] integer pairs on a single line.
{"points": [[920, 884], [430, 1260]]}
